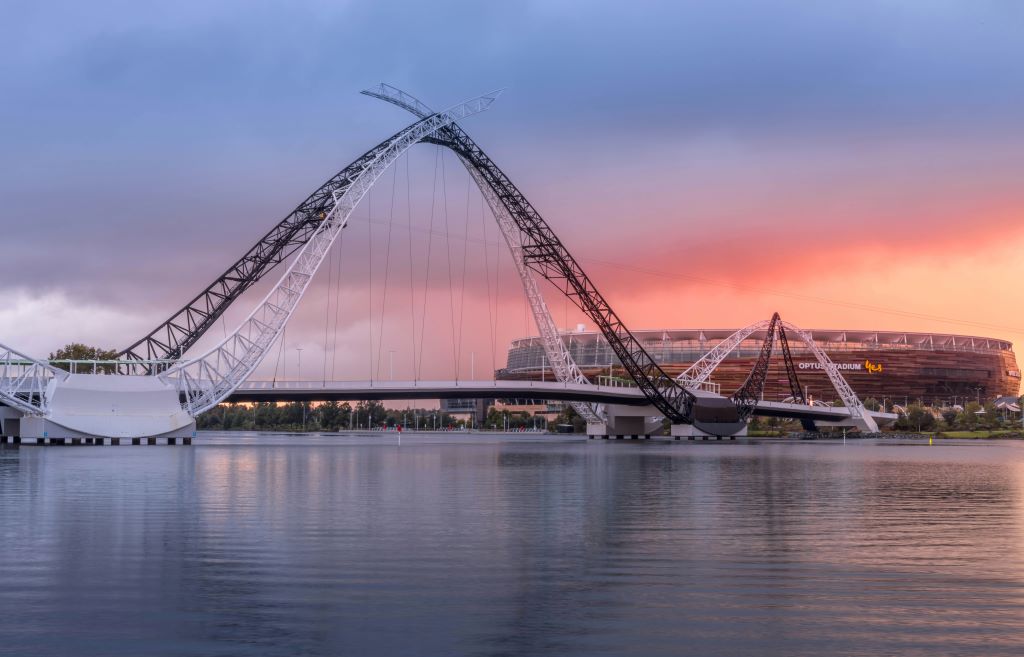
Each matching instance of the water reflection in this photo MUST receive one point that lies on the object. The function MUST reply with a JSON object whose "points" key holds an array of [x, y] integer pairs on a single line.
{"points": [[257, 546]]}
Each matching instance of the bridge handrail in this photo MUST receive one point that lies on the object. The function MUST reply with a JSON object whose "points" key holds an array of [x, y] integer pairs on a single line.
{"points": [[24, 380]]}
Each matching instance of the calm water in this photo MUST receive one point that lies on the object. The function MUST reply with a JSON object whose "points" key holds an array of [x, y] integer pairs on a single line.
{"points": [[485, 546]]}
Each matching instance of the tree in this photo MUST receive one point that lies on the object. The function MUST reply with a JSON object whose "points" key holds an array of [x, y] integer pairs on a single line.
{"points": [[916, 418], [920, 417], [79, 351], [570, 416], [949, 416], [370, 413], [332, 416], [992, 418], [872, 404], [968, 419]]}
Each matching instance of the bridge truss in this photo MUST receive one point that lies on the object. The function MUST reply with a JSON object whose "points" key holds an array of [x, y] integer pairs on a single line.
{"points": [[174, 336], [534, 246], [541, 251], [206, 380], [310, 230], [558, 357], [533, 243]]}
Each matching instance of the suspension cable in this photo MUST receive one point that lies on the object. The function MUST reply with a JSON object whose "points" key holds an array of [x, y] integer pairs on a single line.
{"points": [[412, 278], [387, 268], [497, 298], [491, 326], [426, 277], [369, 282], [465, 257], [337, 303], [280, 349], [327, 306], [451, 282]]}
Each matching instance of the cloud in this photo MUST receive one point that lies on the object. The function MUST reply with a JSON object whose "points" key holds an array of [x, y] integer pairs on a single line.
{"points": [[146, 148], [39, 324]]}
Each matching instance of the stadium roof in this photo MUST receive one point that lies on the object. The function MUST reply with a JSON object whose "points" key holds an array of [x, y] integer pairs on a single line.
{"points": [[896, 339]]}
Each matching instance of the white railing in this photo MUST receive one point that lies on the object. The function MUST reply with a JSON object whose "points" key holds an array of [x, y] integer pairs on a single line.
{"points": [[24, 381]]}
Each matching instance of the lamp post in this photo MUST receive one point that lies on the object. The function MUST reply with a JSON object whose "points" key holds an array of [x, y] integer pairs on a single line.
{"points": [[299, 368]]}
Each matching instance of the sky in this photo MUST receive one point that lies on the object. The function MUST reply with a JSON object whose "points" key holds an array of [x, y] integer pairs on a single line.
{"points": [[847, 164]]}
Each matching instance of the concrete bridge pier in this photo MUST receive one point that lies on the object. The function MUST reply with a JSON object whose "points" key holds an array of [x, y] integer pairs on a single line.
{"points": [[626, 423]]}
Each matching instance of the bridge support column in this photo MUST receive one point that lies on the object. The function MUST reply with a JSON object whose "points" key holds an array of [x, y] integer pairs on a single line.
{"points": [[628, 421]]}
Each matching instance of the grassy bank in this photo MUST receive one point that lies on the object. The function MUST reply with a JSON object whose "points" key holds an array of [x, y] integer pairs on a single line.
{"points": [[995, 433]]}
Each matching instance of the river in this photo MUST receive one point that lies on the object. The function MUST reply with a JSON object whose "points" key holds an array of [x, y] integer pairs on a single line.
{"points": [[511, 545]]}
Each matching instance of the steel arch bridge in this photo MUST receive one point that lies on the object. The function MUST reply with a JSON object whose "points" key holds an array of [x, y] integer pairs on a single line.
{"points": [[159, 391]]}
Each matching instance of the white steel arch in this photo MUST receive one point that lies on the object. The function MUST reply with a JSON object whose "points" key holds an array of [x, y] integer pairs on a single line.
{"points": [[206, 380], [558, 357], [846, 393], [701, 370]]}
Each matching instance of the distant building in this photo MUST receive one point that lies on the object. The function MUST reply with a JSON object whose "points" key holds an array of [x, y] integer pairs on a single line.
{"points": [[467, 409], [933, 367]]}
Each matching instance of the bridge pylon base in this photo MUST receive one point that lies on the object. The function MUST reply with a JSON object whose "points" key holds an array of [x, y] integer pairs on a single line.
{"points": [[626, 422], [37, 428]]}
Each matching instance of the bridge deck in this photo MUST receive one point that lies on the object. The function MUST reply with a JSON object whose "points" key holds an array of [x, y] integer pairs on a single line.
{"points": [[252, 391], [279, 391], [380, 390]]}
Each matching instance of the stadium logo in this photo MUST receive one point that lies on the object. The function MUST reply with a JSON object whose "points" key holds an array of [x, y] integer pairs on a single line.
{"points": [[839, 366], [874, 368], [867, 365]]}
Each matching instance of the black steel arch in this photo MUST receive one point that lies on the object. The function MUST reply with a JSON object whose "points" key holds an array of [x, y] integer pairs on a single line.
{"points": [[542, 251], [794, 381], [545, 254], [746, 397]]}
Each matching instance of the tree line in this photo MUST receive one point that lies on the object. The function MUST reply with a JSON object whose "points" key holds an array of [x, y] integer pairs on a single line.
{"points": [[329, 416]]}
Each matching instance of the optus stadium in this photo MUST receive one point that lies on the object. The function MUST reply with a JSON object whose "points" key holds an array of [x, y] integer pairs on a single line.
{"points": [[901, 367]]}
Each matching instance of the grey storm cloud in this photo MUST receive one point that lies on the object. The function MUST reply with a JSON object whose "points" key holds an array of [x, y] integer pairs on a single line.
{"points": [[144, 148]]}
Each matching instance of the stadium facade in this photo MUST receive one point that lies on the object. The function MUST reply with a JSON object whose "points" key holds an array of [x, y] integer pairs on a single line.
{"points": [[931, 367]]}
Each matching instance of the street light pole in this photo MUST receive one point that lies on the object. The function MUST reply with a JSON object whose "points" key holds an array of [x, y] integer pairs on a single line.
{"points": [[299, 349]]}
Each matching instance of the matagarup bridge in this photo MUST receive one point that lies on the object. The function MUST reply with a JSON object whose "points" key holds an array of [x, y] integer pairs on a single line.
{"points": [[157, 389]]}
